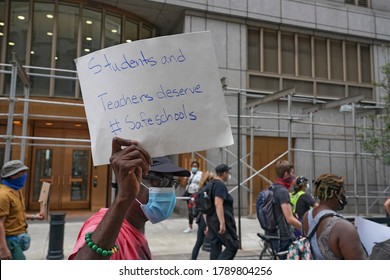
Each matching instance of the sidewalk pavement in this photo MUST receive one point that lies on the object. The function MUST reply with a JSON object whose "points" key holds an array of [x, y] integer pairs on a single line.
{"points": [[167, 241]]}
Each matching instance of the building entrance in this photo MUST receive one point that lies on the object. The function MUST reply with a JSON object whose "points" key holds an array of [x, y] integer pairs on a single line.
{"points": [[266, 149], [67, 169]]}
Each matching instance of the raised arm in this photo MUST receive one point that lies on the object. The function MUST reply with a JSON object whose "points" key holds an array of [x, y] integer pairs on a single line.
{"points": [[129, 162]]}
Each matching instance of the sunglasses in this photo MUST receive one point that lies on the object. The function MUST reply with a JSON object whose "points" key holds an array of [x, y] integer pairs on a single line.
{"points": [[164, 182]]}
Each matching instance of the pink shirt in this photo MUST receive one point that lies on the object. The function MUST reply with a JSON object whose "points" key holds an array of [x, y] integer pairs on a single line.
{"points": [[131, 242]]}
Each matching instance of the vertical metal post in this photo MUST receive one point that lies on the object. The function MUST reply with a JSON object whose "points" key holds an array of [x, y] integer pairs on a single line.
{"points": [[24, 126], [56, 236], [289, 128], [312, 156], [11, 107], [251, 163], [355, 159], [365, 167], [239, 165]]}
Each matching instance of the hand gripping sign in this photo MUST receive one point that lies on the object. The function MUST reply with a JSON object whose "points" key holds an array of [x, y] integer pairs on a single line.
{"points": [[164, 92]]}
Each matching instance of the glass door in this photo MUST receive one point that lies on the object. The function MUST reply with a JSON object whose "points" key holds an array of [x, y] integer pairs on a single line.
{"points": [[68, 172], [67, 169], [76, 179]]}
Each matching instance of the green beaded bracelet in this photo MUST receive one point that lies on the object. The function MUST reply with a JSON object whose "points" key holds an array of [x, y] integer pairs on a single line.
{"points": [[97, 249]]}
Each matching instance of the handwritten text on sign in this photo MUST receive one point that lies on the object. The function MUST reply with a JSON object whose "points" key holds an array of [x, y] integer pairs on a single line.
{"points": [[164, 92]]}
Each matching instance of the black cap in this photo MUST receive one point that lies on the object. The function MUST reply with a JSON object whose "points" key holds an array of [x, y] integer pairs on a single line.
{"points": [[164, 165], [301, 180], [222, 168]]}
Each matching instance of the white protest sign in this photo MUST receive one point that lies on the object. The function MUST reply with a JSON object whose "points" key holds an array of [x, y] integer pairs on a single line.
{"points": [[164, 92], [371, 232]]}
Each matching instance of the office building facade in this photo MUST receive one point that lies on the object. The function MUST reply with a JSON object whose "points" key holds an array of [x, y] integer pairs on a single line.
{"points": [[286, 67]]}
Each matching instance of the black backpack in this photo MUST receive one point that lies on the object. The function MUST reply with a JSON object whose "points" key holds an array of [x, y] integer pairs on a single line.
{"points": [[204, 203], [381, 251], [265, 209]]}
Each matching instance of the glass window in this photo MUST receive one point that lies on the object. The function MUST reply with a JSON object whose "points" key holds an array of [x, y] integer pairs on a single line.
{"points": [[91, 31], [365, 59], [304, 56], [17, 39], [288, 54], [301, 87], [146, 33], [263, 83], [354, 91], [2, 27], [79, 175], [67, 30], [330, 90], [336, 60], [299, 53], [42, 171], [2, 34], [131, 31], [271, 51], [112, 34], [321, 61], [41, 45], [352, 62], [253, 50], [18, 28]]}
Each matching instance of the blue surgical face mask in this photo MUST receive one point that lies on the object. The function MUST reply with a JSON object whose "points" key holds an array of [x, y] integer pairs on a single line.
{"points": [[194, 169], [161, 203], [16, 183]]}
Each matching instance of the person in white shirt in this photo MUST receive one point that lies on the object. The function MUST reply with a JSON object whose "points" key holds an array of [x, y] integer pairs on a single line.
{"points": [[192, 187]]}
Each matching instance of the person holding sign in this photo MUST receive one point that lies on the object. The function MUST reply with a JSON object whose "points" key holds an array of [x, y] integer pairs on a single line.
{"points": [[146, 192], [335, 238]]}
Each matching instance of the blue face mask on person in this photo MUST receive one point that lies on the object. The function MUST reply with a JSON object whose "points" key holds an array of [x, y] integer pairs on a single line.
{"points": [[194, 169], [16, 183], [161, 203]]}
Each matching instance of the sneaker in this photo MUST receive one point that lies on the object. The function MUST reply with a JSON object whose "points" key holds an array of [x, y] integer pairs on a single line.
{"points": [[187, 230]]}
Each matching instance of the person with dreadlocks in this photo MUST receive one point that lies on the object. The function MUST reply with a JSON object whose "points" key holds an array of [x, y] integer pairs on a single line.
{"points": [[336, 238]]}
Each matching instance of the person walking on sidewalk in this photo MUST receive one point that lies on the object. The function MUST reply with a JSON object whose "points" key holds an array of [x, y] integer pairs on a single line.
{"points": [[14, 238], [192, 187], [146, 192], [201, 218], [221, 226], [284, 216]]}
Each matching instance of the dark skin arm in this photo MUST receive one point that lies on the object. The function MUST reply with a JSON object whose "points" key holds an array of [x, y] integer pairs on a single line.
{"points": [[129, 162], [344, 240], [387, 206], [345, 243]]}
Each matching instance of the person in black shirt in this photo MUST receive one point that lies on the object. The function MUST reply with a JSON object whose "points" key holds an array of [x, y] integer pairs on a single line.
{"points": [[301, 200], [221, 226]]}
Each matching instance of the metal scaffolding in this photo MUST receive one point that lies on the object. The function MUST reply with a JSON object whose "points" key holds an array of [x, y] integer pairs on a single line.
{"points": [[245, 126], [307, 116]]}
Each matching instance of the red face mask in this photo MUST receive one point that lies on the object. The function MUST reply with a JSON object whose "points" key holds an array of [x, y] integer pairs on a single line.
{"points": [[286, 181]]}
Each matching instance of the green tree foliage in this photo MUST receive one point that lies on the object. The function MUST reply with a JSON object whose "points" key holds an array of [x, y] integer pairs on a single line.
{"points": [[378, 134]]}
